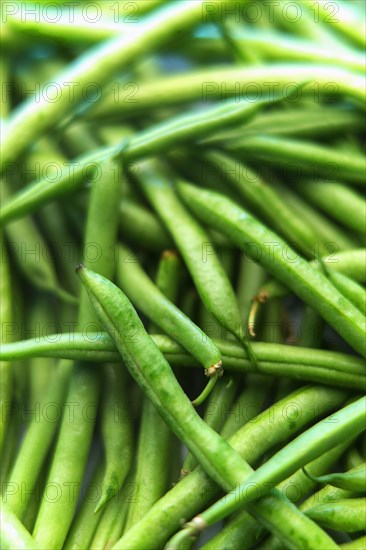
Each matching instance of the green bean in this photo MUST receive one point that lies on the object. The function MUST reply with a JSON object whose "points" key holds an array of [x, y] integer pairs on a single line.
{"points": [[139, 226], [33, 118], [310, 285], [197, 251], [55, 516], [163, 312], [329, 493], [310, 158], [116, 431], [309, 445], [235, 533], [345, 515], [86, 520], [221, 82], [312, 328], [152, 372], [13, 533], [250, 279], [283, 360], [350, 481], [114, 516], [6, 319], [155, 438], [218, 403], [347, 23], [357, 544], [268, 203], [278, 46], [347, 207], [147, 366], [196, 490], [330, 237], [37, 442], [353, 291], [32, 255]]}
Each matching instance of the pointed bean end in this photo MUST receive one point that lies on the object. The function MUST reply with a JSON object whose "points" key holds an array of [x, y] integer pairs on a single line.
{"points": [[79, 268]]}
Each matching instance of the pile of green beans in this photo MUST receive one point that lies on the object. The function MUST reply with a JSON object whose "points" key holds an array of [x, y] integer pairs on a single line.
{"points": [[182, 275]]}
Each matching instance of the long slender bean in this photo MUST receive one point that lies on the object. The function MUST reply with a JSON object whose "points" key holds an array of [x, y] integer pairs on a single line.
{"points": [[308, 157], [6, 319], [98, 64], [196, 490], [344, 515], [208, 274], [306, 447], [13, 533], [307, 283]]}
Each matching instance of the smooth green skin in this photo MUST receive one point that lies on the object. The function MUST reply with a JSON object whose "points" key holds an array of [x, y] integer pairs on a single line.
{"points": [[248, 405], [196, 248], [353, 291], [86, 520], [347, 422], [304, 155], [155, 438], [218, 403], [235, 532], [159, 138], [251, 277], [147, 297], [32, 254], [330, 237], [221, 82], [345, 515], [6, 318], [153, 374], [189, 127], [37, 442], [349, 481], [152, 463], [75, 438], [196, 490], [282, 360], [32, 118], [312, 328], [117, 432], [140, 227], [350, 263], [54, 518], [277, 46], [329, 493], [347, 23], [13, 534], [346, 206], [266, 200], [357, 544], [307, 283], [114, 517]]}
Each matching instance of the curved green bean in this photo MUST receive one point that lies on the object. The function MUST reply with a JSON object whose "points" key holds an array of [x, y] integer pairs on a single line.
{"points": [[33, 118], [13, 534], [194, 244], [146, 296], [350, 481], [306, 447], [309, 284], [310, 158], [344, 515]]}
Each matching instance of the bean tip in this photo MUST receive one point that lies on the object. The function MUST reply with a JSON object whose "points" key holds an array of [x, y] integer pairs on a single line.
{"points": [[79, 267]]}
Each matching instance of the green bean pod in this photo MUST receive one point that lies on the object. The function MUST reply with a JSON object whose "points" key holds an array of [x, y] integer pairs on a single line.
{"points": [[346, 206], [197, 250], [353, 291], [357, 544], [349, 481], [307, 156], [117, 433], [138, 226], [344, 515], [6, 319], [32, 118], [272, 427], [310, 285], [13, 534], [150, 300], [306, 447]]}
